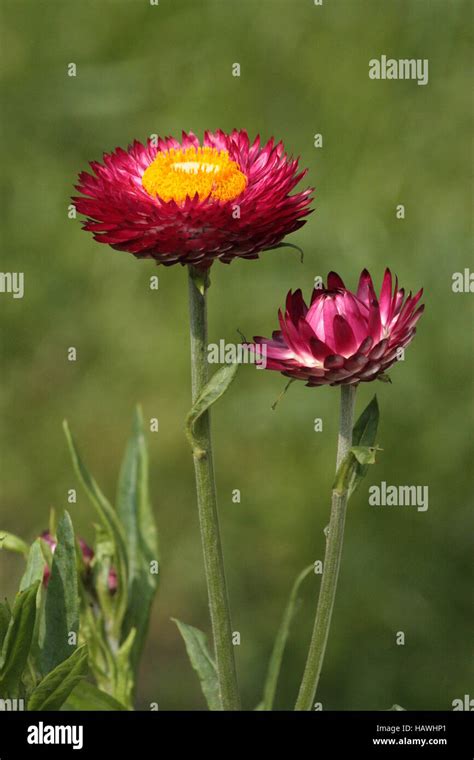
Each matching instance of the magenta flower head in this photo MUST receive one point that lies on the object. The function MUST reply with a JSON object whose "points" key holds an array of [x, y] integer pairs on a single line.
{"points": [[189, 203], [342, 337]]}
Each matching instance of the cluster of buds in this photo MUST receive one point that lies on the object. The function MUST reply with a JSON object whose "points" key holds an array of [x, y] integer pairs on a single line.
{"points": [[87, 556]]}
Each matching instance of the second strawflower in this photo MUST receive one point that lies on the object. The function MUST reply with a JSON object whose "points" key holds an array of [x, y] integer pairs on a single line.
{"points": [[343, 337]]}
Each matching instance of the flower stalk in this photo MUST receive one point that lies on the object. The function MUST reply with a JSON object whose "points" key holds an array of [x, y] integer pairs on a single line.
{"points": [[207, 499], [332, 561]]}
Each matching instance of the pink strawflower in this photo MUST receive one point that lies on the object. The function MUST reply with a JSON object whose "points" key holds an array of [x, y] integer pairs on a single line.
{"points": [[343, 337], [87, 556], [189, 203]]}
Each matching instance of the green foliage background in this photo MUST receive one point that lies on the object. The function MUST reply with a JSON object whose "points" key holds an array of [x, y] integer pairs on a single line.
{"points": [[304, 70]]}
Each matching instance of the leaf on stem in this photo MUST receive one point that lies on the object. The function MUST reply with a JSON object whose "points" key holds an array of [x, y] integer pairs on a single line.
{"points": [[135, 512], [124, 681], [55, 688], [34, 566], [354, 467], [202, 662], [86, 696], [17, 642], [111, 524], [61, 609], [5, 617], [212, 392], [276, 658], [12, 543]]}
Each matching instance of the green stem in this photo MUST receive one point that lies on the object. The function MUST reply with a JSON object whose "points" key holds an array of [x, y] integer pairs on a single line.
{"points": [[332, 561], [207, 501]]}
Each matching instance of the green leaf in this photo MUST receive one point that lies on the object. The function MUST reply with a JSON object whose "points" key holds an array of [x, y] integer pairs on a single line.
{"points": [[61, 609], [5, 617], [212, 392], [17, 642], [55, 688], [354, 467], [365, 429], [135, 512], [124, 680], [364, 454], [111, 524], [202, 662], [13, 544], [34, 566], [280, 643], [86, 696]]}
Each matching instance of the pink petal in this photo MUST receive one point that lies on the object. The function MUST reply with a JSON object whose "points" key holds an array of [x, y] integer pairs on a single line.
{"points": [[365, 289], [385, 300], [335, 282], [345, 342]]}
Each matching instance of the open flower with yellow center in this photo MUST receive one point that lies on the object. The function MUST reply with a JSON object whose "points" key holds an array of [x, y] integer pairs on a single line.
{"points": [[189, 203]]}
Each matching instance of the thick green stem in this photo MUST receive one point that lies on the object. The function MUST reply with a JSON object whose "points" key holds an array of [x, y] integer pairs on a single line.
{"points": [[207, 501], [332, 561]]}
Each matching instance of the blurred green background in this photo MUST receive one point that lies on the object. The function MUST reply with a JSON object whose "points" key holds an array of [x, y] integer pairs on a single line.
{"points": [[304, 70]]}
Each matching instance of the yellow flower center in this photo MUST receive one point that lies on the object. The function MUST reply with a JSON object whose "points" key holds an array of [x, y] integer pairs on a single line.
{"points": [[175, 174]]}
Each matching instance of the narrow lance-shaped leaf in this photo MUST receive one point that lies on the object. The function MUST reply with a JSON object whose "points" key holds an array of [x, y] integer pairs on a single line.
{"points": [[202, 662], [55, 688], [34, 566], [276, 658], [212, 392], [85, 696], [17, 642], [5, 617], [364, 435], [61, 609], [134, 510], [111, 524]]}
